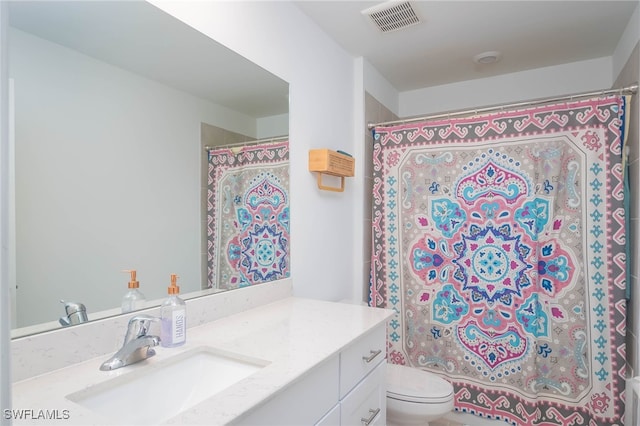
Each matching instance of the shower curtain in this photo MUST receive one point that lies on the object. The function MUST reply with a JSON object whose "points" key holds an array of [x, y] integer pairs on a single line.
{"points": [[248, 215], [499, 241]]}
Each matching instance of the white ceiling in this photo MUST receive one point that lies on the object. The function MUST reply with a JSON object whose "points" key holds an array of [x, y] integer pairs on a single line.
{"points": [[440, 50]]}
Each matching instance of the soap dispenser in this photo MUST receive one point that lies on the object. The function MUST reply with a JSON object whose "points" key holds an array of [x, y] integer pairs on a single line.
{"points": [[134, 299], [173, 317]]}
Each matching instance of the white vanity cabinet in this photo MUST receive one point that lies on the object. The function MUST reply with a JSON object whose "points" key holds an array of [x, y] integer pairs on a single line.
{"points": [[363, 381], [320, 363], [343, 390]]}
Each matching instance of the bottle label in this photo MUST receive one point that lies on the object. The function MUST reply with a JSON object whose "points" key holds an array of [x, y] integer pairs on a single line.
{"points": [[179, 326]]}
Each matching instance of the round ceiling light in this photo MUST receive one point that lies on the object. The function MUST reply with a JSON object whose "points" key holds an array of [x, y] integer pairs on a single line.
{"points": [[490, 57]]}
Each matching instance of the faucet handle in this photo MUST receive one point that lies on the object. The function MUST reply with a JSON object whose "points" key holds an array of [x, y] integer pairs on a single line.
{"points": [[138, 326]]}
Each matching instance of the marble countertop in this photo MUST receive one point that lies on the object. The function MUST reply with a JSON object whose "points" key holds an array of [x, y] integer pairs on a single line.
{"points": [[293, 335]]}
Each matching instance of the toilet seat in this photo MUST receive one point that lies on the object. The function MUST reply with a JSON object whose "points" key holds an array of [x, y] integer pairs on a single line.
{"points": [[414, 385]]}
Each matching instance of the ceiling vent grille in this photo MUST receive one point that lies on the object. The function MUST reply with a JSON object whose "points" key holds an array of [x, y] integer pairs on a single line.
{"points": [[392, 16]]}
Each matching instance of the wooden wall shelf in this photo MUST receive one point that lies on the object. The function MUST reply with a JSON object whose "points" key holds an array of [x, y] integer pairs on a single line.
{"points": [[328, 162]]}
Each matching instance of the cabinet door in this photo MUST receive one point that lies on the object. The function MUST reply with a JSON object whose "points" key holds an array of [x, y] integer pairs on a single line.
{"points": [[361, 357], [303, 403], [366, 405]]}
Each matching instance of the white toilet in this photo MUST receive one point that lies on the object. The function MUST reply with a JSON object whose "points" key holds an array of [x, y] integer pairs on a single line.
{"points": [[415, 397]]}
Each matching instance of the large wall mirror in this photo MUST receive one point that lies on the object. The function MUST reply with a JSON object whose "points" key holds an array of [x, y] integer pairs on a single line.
{"points": [[112, 104]]}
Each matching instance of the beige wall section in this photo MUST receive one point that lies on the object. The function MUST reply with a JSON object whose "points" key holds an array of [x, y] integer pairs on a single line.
{"points": [[374, 112], [211, 136], [629, 75]]}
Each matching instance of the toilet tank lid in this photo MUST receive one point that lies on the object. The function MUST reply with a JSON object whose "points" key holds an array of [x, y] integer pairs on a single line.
{"points": [[417, 385]]}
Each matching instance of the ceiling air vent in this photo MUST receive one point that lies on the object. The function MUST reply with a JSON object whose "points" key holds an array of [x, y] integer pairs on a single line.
{"points": [[392, 16]]}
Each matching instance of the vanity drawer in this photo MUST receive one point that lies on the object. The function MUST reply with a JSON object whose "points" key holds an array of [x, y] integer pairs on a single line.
{"points": [[361, 357], [367, 403]]}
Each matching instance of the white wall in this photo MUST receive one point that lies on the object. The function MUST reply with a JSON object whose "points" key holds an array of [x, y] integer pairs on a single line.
{"points": [[627, 43], [103, 188], [280, 38], [378, 87], [576, 77], [273, 126]]}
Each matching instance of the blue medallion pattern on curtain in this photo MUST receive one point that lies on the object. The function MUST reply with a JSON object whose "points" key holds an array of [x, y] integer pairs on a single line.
{"points": [[248, 215], [499, 241]]}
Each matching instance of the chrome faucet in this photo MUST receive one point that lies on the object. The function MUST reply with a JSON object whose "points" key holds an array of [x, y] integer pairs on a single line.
{"points": [[137, 346], [76, 313]]}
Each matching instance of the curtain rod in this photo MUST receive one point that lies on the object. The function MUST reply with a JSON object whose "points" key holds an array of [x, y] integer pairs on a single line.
{"points": [[248, 143], [624, 90]]}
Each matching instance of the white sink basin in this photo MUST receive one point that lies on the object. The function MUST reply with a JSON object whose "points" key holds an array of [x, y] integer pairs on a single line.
{"points": [[155, 393]]}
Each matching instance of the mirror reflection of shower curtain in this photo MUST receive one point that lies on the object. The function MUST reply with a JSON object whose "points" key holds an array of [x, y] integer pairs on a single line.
{"points": [[248, 215]]}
